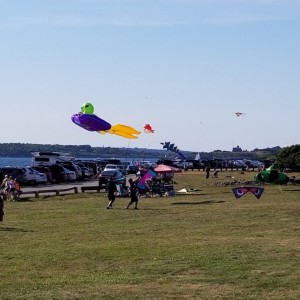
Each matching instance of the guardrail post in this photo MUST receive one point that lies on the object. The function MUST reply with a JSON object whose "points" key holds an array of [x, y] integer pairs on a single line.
{"points": [[76, 190]]}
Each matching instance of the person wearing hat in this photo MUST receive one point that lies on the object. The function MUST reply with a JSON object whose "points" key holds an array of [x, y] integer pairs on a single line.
{"points": [[111, 189]]}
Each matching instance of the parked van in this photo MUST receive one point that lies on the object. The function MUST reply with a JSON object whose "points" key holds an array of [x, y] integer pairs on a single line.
{"points": [[50, 158]]}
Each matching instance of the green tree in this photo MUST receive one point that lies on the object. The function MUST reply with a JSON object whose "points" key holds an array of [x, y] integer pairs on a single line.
{"points": [[289, 157]]}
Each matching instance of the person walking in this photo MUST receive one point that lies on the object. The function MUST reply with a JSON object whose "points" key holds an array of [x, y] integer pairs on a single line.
{"points": [[4, 186], [5, 179], [111, 189], [17, 189], [207, 170], [133, 193], [10, 188]]}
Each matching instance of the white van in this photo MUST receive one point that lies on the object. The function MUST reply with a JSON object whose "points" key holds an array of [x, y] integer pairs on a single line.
{"points": [[50, 158]]}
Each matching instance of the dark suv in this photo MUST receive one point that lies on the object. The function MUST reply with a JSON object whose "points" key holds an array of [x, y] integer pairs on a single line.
{"points": [[115, 174], [58, 173], [132, 169]]}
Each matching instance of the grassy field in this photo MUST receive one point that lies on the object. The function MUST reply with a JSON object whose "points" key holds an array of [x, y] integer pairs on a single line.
{"points": [[204, 246]]}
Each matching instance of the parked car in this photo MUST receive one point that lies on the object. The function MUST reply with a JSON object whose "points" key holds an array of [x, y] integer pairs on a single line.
{"points": [[40, 177], [73, 167], [24, 175], [236, 164], [58, 173], [86, 171], [122, 168], [110, 167], [71, 175], [46, 170], [117, 176], [92, 166], [14, 172], [147, 164], [132, 169], [239, 164], [62, 174], [252, 163]]}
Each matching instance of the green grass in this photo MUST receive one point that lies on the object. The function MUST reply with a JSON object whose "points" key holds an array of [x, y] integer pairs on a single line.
{"points": [[205, 246]]}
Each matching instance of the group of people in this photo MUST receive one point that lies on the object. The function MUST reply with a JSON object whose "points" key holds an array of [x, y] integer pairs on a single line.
{"points": [[10, 188], [112, 189]]}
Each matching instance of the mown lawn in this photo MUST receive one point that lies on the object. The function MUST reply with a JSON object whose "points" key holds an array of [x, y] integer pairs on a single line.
{"points": [[204, 246]]}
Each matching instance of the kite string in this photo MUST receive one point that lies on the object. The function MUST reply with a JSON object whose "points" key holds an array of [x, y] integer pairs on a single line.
{"points": [[144, 153]]}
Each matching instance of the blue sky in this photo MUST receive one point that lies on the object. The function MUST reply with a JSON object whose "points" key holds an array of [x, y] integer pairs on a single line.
{"points": [[183, 66]]}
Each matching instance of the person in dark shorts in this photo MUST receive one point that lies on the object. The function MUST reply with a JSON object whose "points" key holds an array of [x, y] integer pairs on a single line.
{"points": [[207, 170], [133, 193], [111, 189]]}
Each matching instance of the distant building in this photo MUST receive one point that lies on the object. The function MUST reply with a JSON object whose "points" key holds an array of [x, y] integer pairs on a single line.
{"points": [[237, 149]]}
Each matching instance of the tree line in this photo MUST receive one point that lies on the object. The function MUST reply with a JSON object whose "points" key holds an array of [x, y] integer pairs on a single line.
{"points": [[287, 157], [82, 151]]}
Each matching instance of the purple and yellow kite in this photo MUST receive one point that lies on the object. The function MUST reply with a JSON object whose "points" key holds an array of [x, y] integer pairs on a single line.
{"points": [[89, 121]]}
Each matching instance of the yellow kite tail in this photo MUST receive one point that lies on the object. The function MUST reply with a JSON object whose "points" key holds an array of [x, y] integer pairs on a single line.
{"points": [[124, 131]]}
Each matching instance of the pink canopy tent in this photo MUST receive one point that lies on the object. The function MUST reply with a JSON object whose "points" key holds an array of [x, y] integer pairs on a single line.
{"points": [[166, 169]]}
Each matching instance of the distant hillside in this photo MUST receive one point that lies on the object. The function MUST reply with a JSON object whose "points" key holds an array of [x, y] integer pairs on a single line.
{"points": [[86, 151]]}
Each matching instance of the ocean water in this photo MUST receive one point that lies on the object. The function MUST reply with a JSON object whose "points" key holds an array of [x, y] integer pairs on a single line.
{"points": [[26, 161], [15, 161]]}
